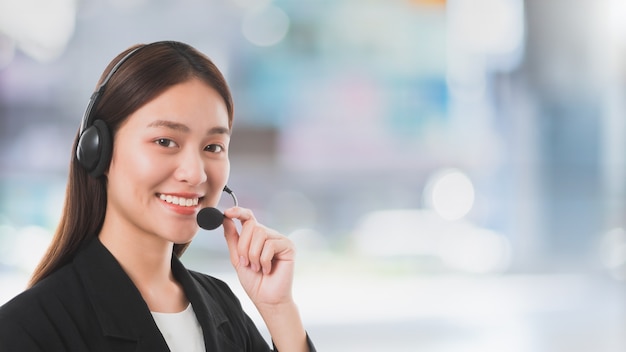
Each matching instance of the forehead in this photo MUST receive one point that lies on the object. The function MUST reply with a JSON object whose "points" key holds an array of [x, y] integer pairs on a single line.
{"points": [[192, 103]]}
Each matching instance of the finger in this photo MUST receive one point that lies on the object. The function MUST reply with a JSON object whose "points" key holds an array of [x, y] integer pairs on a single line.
{"points": [[245, 239], [248, 224], [267, 256], [232, 240], [257, 244], [239, 213]]}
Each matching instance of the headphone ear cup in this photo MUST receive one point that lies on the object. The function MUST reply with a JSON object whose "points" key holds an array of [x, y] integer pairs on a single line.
{"points": [[94, 148]]}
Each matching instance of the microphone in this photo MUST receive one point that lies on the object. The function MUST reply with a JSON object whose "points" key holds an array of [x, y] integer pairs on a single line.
{"points": [[210, 218]]}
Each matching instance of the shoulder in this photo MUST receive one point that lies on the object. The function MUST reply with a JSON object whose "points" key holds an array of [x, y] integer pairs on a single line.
{"points": [[48, 289], [41, 305]]}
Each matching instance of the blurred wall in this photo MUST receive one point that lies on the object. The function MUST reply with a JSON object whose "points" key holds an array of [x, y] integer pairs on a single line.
{"points": [[355, 106]]}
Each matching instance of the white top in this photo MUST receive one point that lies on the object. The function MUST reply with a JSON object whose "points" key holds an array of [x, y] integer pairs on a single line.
{"points": [[181, 331]]}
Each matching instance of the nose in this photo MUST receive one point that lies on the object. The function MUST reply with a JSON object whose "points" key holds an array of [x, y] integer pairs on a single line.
{"points": [[191, 168]]}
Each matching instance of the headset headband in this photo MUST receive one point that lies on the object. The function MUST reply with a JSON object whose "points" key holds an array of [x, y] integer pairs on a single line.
{"points": [[87, 119]]}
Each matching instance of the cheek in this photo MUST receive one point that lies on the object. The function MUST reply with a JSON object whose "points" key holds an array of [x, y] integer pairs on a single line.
{"points": [[134, 166], [217, 175], [225, 171]]}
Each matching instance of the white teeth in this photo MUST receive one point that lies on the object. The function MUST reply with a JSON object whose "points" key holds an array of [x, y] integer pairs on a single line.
{"points": [[185, 202]]}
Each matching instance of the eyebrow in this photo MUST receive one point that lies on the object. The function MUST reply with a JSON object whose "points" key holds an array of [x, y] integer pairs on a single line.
{"points": [[177, 126]]}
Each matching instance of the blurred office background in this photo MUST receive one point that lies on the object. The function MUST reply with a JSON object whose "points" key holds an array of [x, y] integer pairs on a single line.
{"points": [[453, 172]]}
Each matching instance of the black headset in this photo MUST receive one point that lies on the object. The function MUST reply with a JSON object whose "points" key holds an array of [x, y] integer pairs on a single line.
{"points": [[95, 146]]}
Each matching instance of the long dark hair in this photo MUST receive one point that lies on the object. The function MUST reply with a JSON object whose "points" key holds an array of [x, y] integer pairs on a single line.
{"points": [[150, 71]]}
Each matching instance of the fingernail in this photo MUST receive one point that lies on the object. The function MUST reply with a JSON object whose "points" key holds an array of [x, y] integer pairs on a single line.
{"points": [[242, 261], [255, 268]]}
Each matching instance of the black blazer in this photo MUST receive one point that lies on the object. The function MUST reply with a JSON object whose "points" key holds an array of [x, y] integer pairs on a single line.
{"points": [[91, 304]]}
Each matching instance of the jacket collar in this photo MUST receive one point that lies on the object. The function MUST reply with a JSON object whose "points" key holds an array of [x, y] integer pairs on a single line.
{"points": [[210, 313], [122, 312]]}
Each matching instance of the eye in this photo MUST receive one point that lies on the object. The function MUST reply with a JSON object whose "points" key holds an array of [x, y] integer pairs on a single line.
{"points": [[165, 142], [214, 148]]}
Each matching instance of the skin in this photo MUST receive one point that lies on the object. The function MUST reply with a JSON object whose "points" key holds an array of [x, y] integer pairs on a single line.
{"points": [[177, 145]]}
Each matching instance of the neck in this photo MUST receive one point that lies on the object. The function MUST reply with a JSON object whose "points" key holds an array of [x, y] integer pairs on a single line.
{"points": [[146, 259]]}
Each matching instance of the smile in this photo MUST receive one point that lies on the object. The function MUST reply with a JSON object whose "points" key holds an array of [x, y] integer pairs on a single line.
{"points": [[183, 202]]}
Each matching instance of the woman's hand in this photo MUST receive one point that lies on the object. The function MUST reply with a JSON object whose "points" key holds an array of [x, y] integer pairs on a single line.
{"points": [[262, 257], [264, 260]]}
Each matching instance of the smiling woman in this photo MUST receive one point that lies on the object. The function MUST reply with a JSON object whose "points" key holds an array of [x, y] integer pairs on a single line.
{"points": [[152, 150], [176, 153]]}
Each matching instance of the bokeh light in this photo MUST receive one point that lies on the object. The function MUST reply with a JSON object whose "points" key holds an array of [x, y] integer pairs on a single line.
{"points": [[266, 26], [40, 28], [450, 193]]}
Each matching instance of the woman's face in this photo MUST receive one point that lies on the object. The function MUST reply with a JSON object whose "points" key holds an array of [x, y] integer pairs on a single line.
{"points": [[169, 161]]}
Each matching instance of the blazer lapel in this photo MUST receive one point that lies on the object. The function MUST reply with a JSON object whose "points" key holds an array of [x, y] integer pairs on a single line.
{"points": [[209, 312], [121, 311]]}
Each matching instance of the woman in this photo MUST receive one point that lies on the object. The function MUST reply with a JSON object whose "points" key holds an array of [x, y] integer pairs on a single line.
{"points": [[152, 150]]}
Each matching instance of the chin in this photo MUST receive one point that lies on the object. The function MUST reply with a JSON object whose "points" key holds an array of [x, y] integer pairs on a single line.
{"points": [[180, 236], [182, 239], [182, 243]]}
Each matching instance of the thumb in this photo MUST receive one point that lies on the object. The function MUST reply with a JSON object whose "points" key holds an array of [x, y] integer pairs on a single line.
{"points": [[232, 240]]}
